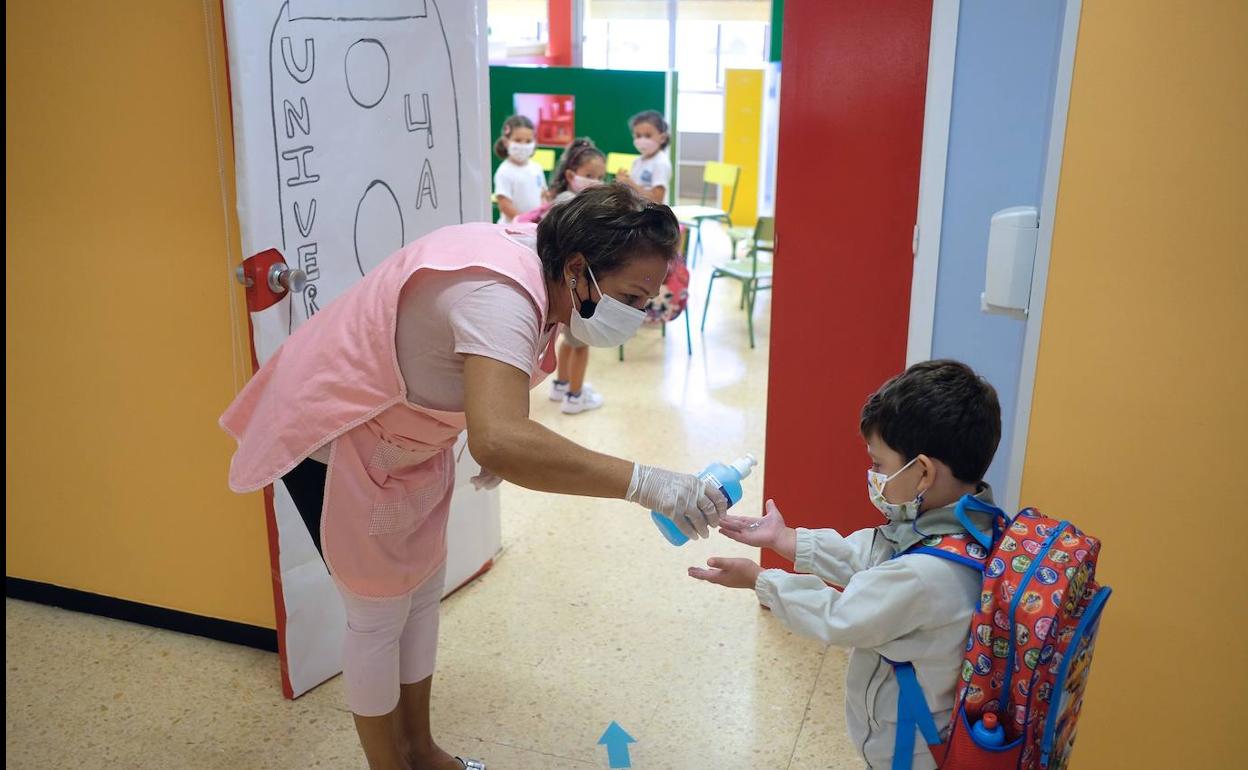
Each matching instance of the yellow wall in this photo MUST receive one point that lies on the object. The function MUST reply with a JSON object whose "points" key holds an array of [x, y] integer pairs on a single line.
{"points": [[1141, 403], [743, 123], [121, 345]]}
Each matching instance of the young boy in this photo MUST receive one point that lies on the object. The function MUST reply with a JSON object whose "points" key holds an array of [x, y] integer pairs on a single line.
{"points": [[931, 433]]}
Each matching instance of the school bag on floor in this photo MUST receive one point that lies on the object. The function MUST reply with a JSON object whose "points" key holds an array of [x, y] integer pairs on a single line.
{"points": [[1029, 649]]}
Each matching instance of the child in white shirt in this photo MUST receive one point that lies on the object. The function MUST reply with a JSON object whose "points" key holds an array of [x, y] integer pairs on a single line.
{"points": [[519, 182], [931, 433], [652, 172]]}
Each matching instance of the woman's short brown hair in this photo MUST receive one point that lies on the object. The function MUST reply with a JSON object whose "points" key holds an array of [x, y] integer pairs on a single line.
{"points": [[608, 225]]}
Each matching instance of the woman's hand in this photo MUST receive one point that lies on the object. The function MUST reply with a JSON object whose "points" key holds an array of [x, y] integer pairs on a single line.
{"points": [[733, 573], [693, 504], [766, 532]]}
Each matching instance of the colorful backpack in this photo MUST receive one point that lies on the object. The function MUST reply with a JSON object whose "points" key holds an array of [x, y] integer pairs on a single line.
{"points": [[1030, 646], [674, 295]]}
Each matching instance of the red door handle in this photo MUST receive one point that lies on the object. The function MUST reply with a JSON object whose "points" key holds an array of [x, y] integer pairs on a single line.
{"points": [[267, 279]]}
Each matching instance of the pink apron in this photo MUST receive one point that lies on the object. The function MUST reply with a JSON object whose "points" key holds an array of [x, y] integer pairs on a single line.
{"points": [[337, 378]]}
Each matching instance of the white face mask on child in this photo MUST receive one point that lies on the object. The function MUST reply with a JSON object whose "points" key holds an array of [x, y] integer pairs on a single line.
{"points": [[894, 512], [521, 151]]}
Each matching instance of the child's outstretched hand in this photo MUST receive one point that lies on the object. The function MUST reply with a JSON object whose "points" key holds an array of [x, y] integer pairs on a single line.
{"points": [[733, 573], [752, 530]]}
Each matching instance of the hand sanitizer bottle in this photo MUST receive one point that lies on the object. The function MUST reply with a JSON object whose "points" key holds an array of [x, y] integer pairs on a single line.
{"points": [[726, 477]]}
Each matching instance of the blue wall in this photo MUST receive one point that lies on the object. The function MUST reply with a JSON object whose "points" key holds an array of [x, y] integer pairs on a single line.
{"points": [[998, 136]]}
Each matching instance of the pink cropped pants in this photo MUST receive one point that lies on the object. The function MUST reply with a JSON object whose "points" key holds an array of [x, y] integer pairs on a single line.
{"points": [[388, 642]]}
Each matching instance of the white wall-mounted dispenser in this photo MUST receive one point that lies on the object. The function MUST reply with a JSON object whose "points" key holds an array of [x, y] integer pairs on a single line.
{"points": [[1011, 255]]}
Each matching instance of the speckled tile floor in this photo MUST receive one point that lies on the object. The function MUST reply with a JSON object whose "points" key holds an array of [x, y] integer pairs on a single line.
{"points": [[587, 617]]}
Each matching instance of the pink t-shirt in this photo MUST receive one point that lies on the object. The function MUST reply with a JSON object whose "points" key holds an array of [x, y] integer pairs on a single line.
{"points": [[446, 316]]}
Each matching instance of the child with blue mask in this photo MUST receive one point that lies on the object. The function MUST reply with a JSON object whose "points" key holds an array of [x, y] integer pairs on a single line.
{"points": [[930, 434]]}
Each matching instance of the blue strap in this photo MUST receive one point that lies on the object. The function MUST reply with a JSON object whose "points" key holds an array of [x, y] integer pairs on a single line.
{"points": [[975, 504], [912, 713]]}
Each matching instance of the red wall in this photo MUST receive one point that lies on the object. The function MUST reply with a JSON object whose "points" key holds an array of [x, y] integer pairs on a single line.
{"points": [[559, 51], [851, 125]]}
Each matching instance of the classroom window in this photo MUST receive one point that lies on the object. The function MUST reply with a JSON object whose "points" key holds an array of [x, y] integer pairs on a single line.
{"points": [[711, 36], [517, 28], [626, 44]]}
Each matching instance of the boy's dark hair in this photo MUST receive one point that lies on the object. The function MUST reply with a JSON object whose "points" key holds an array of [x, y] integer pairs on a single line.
{"points": [[574, 157], [942, 409], [608, 224], [654, 118], [509, 125]]}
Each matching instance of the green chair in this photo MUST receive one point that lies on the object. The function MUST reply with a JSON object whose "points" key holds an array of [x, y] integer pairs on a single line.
{"points": [[753, 272], [715, 175], [739, 234], [663, 332]]}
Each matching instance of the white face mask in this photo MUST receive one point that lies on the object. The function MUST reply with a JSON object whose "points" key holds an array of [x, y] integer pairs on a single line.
{"points": [[894, 512], [520, 151], [582, 183], [645, 145], [611, 323]]}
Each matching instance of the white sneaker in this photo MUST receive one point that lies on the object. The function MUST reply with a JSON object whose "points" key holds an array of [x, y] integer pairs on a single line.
{"points": [[587, 400], [560, 389]]}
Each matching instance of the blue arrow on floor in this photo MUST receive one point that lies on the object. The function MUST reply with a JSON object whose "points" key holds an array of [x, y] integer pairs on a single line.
{"points": [[616, 741]]}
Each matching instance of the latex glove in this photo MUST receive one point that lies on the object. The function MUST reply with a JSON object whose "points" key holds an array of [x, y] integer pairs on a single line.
{"points": [[733, 573], [693, 504], [486, 479]]}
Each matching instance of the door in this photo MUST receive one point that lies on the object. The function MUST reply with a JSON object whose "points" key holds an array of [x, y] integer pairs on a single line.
{"points": [[851, 130], [992, 149], [354, 136]]}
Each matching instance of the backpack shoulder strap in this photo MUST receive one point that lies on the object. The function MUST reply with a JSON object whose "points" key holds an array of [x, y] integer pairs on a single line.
{"points": [[957, 558], [975, 504], [961, 548], [912, 714]]}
